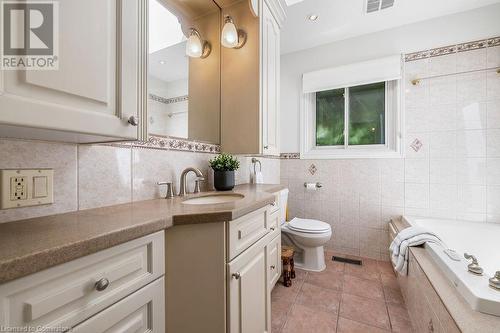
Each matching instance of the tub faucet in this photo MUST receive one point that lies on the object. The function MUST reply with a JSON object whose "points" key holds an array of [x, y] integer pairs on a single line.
{"points": [[183, 190], [473, 267], [495, 281]]}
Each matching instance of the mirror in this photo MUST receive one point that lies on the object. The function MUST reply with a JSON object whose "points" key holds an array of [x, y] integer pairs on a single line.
{"points": [[184, 90]]}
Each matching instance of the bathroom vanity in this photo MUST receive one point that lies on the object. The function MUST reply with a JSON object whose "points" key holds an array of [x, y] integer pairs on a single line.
{"points": [[220, 275], [164, 265], [119, 289]]}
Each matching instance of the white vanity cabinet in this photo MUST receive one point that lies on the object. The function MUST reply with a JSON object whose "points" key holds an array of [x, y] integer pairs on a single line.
{"points": [[98, 93], [120, 289], [250, 107], [220, 275]]}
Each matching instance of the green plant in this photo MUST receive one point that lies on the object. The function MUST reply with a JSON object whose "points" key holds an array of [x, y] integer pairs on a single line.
{"points": [[224, 162]]}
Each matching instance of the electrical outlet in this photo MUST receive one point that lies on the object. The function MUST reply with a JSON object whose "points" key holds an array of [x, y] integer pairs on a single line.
{"points": [[18, 190], [26, 187]]}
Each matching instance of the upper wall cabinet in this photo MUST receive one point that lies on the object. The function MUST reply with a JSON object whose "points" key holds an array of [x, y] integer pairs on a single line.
{"points": [[97, 90], [250, 79]]}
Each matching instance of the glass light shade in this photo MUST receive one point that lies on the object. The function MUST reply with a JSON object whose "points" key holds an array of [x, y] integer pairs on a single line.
{"points": [[194, 47], [229, 35]]}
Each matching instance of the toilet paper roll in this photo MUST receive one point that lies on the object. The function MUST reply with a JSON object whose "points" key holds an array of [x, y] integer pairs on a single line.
{"points": [[311, 187]]}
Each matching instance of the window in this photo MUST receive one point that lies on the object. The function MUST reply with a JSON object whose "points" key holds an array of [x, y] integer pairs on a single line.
{"points": [[358, 121]]}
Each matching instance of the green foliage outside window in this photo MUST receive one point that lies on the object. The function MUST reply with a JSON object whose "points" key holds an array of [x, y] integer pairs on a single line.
{"points": [[366, 110]]}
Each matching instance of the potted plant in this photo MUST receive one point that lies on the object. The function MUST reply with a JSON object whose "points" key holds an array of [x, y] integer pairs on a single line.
{"points": [[224, 166]]}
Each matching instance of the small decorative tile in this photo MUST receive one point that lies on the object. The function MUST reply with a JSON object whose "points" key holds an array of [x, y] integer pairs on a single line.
{"points": [[312, 169], [416, 145]]}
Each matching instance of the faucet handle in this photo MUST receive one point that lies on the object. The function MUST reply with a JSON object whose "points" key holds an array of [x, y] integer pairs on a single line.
{"points": [[197, 184], [170, 189], [495, 281], [473, 267]]}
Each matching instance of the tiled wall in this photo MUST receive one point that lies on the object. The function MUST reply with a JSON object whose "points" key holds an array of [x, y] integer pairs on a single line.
{"points": [[89, 176], [455, 174]]}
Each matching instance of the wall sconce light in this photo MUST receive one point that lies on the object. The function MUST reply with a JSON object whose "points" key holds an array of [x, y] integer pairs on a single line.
{"points": [[231, 37], [197, 47]]}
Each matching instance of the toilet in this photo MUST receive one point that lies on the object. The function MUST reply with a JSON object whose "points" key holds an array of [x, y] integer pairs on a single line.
{"points": [[307, 236]]}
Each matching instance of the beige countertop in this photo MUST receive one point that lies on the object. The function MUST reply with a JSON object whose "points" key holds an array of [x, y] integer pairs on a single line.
{"points": [[31, 245]]}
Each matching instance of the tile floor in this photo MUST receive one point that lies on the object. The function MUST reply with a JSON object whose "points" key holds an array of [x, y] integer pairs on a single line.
{"points": [[344, 298]]}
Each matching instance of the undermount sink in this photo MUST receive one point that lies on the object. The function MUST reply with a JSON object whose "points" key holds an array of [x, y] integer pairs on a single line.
{"points": [[214, 199]]}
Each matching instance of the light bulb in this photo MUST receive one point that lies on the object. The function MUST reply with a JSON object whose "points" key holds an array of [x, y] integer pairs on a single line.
{"points": [[194, 48], [229, 34]]}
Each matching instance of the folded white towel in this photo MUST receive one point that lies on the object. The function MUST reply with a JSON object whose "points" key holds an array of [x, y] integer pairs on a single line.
{"points": [[258, 178], [412, 236]]}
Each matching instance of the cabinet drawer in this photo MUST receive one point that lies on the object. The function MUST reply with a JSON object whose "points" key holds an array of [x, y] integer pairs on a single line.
{"points": [[275, 206], [274, 223], [66, 294], [246, 230], [141, 312], [274, 261]]}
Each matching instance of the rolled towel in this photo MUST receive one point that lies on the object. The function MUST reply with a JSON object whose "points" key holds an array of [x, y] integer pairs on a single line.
{"points": [[412, 236]]}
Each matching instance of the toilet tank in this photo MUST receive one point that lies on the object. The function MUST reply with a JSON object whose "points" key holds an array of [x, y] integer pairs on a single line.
{"points": [[283, 204]]}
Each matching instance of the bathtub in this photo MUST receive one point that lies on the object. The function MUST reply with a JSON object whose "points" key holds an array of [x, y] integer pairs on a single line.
{"points": [[479, 239]]}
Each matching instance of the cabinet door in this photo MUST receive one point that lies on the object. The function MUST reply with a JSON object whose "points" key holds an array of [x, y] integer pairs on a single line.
{"points": [[249, 297], [98, 86], [270, 82], [274, 261], [143, 311]]}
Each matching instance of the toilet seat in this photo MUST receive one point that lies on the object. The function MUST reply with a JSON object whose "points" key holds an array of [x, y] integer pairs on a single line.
{"points": [[308, 226]]}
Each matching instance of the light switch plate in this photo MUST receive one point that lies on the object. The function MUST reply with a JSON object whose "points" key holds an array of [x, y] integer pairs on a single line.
{"points": [[26, 187]]}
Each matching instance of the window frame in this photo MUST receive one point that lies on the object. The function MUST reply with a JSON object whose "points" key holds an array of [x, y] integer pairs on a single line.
{"points": [[392, 148]]}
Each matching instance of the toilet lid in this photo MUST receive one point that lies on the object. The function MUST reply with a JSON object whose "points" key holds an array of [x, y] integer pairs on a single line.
{"points": [[309, 226]]}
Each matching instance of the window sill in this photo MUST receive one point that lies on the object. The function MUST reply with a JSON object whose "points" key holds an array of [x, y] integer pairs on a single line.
{"points": [[331, 154]]}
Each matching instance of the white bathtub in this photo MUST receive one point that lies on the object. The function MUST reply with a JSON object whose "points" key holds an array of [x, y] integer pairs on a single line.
{"points": [[479, 239]]}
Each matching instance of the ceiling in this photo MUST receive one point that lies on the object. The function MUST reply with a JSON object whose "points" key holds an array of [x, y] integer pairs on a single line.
{"points": [[342, 19], [170, 63]]}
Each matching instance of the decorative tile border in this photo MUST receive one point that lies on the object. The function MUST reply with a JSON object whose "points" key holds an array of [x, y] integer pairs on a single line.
{"points": [[290, 156], [440, 51], [164, 100], [166, 143]]}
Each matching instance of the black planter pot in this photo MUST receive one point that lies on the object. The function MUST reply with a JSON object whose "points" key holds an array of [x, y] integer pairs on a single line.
{"points": [[224, 180]]}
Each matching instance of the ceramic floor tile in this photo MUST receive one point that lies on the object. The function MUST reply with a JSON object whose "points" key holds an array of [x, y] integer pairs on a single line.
{"points": [[360, 287], [318, 298], [385, 267], [279, 312], [334, 266], [400, 321], [350, 326], [368, 270], [326, 279], [300, 275], [303, 319], [393, 296], [364, 310], [282, 293], [389, 281]]}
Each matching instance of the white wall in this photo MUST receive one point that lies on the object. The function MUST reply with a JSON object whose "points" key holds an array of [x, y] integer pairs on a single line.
{"points": [[462, 27], [160, 122]]}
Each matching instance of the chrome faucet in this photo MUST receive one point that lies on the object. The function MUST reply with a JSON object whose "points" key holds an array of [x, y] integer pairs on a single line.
{"points": [[183, 190], [474, 265], [495, 281]]}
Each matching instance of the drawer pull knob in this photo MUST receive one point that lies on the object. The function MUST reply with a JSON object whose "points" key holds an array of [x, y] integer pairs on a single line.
{"points": [[102, 284], [272, 228], [273, 267], [274, 204], [236, 275]]}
